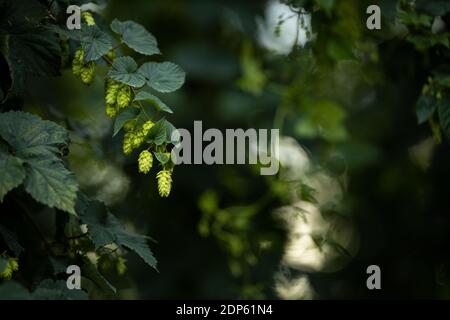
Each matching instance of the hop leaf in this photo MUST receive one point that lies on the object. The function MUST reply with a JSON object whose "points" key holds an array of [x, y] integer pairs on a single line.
{"points": [[11, 267], [164, 182], [88, 18], [145, 161]]}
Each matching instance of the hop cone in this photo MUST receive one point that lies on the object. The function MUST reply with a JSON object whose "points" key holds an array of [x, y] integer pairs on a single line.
{"points": [[88, 18], [11, 267], [111, 110], [88, 73], [112, 89], [164, 183], [145, 161], [124, 97]]}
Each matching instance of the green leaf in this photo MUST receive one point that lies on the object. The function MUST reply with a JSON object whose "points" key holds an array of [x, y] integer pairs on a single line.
{"points": [[123, 117], [136, 37], [94, 42], [155, 101], [57, 290], [12, 173], [162, 157], [11, 240], [124, 70], [157, 133], [170, 128], [30, 136], [444, 115], [433, 7], [50, 183], [104, 228], [139, 245], [13, 291], [425, 108], [163, 77], [38, 143]]}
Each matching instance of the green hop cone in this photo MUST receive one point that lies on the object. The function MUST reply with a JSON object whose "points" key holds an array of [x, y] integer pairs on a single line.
{"points": [[11, 267], [77, 63], [127, 146], [79, 56], [124, 97], [88, 73], [88, 18], [146, 127], [164, 183], [121, 266], [145, 161], [111, 110], [112, 89]]}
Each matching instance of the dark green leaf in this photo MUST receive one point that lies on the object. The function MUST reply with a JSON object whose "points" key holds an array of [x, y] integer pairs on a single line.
{"points": [[425, 108], [105, 228], [57, 290], [95, 43], [433, 7], [123, 117], [124, 70], [161, 157], [136, 37], [163, 77], [50, 183], [155, 101], [11, 240], [13, 291], [12, 173], [157, 133], [30, 136]]}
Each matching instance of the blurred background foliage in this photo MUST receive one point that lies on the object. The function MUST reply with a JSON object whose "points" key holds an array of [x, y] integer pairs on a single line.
{"points": [[361, 181]]}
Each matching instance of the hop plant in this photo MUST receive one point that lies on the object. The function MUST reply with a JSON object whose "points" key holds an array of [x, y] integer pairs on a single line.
{"points": [[124, 97], [145, 161], [88, 18], [121, 266], [88, 73], [164, 182], [11, 267]]}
